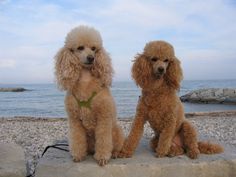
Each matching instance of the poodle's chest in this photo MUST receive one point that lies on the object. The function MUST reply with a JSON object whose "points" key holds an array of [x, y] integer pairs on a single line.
{"points": [[88, 119], [155, 120], [154, 103]]}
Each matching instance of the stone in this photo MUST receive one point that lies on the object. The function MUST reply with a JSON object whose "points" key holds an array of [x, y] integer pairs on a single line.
{"points": [[194, 96], [229, 93], [208, 93], [13, 89], [211, 95], [219, 93], [143, 164], [12, 161]]}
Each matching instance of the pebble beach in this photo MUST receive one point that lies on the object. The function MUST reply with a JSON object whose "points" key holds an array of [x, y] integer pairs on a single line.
{"points": [[34, 134]]}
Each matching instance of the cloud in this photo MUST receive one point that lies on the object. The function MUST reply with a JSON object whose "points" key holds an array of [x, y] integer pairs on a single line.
{"points": [[202, 32], [7, 63], [4, 1]]}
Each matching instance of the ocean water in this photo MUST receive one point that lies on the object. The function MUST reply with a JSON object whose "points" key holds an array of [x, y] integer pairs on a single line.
{"points": [[45, 100]]}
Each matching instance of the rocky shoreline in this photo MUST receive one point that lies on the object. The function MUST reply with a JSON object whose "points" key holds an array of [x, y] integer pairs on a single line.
{"points": [[13, 89], [211, 95], [34, 134]]}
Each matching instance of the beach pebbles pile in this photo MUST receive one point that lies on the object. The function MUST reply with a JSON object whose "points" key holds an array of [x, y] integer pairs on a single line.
{"points": [[34, 134]]}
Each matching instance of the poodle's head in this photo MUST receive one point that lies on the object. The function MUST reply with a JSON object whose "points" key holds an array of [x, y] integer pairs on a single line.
{"points": [[83, 49], [157, 63], [84, 42]]}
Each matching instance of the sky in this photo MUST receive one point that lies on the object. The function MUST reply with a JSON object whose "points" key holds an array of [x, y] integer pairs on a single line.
{"points": [[202, 32]]}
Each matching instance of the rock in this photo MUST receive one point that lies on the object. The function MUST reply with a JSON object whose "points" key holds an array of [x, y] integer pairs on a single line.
{"points": [[211, 95], [219, 93], [229, 93], [206, 93], [194, 96], [12, 161], [13, 89], [143, 164]]}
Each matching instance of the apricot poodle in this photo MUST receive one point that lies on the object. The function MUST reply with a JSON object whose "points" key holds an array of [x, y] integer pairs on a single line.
{"points": [[83, 68], [157, 71]]}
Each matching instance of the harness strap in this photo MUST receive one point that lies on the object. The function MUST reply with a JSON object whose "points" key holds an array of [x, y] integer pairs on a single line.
{"points": [[87, 103]]}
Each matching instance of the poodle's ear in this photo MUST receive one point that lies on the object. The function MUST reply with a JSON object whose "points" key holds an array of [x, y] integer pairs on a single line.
{"points": [[174, 74], [142, 71], [103, 68], [66, 69]]}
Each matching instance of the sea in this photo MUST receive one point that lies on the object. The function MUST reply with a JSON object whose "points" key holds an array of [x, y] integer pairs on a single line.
{"points": [[45, 100]]}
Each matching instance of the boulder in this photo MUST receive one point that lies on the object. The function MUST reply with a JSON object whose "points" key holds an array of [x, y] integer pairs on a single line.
{"points": [[12, 161], [13, 89], [229, 93], [211, 95], [143, 164]]}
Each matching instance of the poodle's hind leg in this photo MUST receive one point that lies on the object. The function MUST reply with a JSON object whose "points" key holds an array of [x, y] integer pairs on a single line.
{"points": [[174, 149], [118, 138], [154, 143], [190, 139]]}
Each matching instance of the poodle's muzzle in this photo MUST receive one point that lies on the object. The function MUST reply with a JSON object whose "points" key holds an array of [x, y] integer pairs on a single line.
{"points": [[85, 55], [159, 69], [159, 72], [90, 60]]}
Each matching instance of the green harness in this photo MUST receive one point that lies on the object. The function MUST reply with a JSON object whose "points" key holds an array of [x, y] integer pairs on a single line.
{"points": [[86, 104]]}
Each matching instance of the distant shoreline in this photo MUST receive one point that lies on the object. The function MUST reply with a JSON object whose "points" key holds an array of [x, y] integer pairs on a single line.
{"points": [[13, 89]]}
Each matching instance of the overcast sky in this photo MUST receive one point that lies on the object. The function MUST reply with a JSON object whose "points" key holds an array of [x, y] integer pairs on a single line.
{"points": [[202, 32]]}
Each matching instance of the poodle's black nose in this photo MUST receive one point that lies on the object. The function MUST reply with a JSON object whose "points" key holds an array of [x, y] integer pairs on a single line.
{"points": [[90, 58], [160, 69]]}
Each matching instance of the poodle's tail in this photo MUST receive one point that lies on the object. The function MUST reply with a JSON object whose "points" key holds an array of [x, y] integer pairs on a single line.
{"points": [[209, 148]]}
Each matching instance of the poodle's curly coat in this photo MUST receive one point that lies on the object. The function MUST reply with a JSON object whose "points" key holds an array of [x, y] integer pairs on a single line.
{"points": [[157, 71], [82, 68]]}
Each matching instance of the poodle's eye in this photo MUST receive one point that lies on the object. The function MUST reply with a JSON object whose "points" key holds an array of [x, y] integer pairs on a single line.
{"points": [[154, 59], [93, 48], [166, 60], [80, 48]]}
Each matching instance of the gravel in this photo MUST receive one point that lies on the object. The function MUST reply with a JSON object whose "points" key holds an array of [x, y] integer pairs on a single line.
{"points": [[34, 134]]}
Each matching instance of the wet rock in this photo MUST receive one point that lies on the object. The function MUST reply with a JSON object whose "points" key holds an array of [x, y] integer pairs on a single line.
{"points": [[13, 89], [211, 95]]}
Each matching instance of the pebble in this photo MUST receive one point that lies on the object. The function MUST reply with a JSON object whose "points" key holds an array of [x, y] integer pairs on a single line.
{"points": [[34, 134]]}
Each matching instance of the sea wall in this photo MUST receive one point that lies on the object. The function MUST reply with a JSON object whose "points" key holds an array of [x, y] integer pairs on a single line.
{"points": [[211, 95], [143, 164], [12, 160]]}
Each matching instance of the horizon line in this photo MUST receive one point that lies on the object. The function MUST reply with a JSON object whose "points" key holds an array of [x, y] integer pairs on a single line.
{"points": [[27, 83]]}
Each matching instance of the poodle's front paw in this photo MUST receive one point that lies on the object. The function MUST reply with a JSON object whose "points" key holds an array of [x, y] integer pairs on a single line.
{"points": [[193, 154], [125, 154], [161, 153], [175, 151], [78, 158], [102, 159], [102, 162]]}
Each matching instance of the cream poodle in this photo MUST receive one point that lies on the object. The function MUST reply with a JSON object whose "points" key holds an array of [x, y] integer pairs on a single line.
{"points": [[158, 72], [83, 69]]}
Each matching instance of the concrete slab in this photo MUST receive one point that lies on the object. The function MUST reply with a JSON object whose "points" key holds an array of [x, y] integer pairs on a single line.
{"points": [[57, 163], [12, 161]]}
